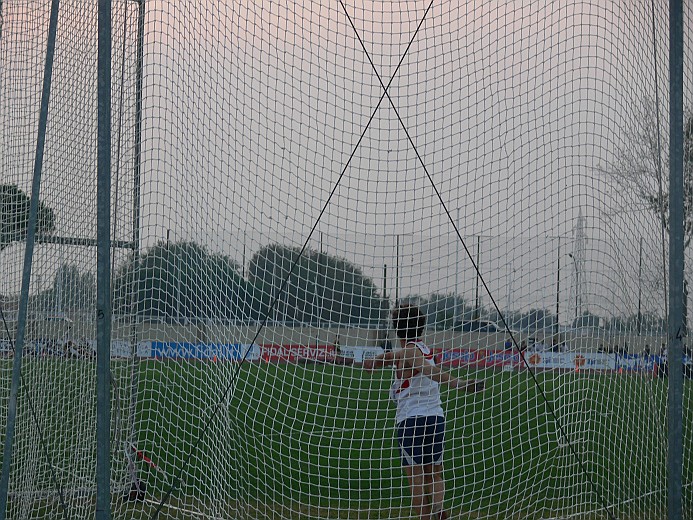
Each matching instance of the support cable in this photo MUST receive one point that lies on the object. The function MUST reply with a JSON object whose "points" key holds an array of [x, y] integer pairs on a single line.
{"points": [[549, 404], [206, 424]]}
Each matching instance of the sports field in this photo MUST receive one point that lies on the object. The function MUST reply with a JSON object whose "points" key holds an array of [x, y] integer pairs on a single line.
{"points": [[317, 441], [292, 437]]}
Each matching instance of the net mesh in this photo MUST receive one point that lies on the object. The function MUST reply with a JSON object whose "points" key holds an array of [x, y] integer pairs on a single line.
{"points": [[283, 175]]}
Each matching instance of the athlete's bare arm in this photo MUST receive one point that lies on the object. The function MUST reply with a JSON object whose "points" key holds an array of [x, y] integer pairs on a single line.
{"points": [[437, 373], [385, 359], [410, 360]]}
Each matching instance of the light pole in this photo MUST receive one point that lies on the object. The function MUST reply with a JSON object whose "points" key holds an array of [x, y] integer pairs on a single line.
{"points": [[577, 287], [511, 279], [558, 285], [457, 274], [397, 272], [640, 290], [477, 310]]}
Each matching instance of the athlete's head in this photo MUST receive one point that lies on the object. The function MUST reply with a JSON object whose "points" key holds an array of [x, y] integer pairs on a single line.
{"points": [[408, 321]]}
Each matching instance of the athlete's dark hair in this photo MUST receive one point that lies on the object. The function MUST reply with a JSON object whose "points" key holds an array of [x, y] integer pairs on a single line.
{"points": [[408, 321]]}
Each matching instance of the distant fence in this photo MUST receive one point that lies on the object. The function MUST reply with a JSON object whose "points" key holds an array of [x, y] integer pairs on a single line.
{"points": [[502, 358]]}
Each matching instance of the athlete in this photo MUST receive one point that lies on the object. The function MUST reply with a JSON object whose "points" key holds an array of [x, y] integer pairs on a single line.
{"points": [[420, 417]]}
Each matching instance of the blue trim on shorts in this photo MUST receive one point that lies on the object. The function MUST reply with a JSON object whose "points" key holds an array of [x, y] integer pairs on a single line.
{"points": [[421, 440]]}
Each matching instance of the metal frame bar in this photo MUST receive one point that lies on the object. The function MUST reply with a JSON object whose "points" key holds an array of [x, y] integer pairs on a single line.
{"points": [[676, 326], [28, 259]]}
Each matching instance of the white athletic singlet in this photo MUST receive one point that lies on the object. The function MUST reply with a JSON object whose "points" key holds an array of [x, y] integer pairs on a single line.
{"points": [[419, 395]]}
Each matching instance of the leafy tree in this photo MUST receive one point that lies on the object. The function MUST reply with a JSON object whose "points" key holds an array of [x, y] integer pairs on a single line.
{"points": [[181, 280], [73, 289], [535, 319], [14, 216], [321, 287], [647, 323], [442, 310], [509, 317], [587, 319], [621, 324]]}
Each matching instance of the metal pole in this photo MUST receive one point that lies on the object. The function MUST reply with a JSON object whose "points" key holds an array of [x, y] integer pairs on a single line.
{"points": [[28, 257], [510, 295], [640, 290], [676, 330], [136, 225], [478, 268], [103, 266], [397, 273], [457, 274], [322, 278], [558, 284], [577, 284], [578, 295]]}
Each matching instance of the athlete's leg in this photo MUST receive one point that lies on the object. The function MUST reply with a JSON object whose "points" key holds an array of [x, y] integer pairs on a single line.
{"points": [[433, 467], [417, 488], [435, 485]]}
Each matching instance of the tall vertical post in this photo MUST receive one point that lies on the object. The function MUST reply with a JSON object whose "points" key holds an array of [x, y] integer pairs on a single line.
{"points": [[28, 258], [509, 296], [558, 285], [321, 278], [457, 274], [397, 273], [676, 330], [138, 128], [136, 288], [477, 310], [577, 282], [578, 295], [640, 289], [103, 265]]}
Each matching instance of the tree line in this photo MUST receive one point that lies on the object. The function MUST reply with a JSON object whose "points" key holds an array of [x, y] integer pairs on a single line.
{"points": [[185, 281]]}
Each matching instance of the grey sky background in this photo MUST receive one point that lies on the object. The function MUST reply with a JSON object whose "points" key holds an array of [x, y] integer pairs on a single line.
{"points": [[251, 111]]}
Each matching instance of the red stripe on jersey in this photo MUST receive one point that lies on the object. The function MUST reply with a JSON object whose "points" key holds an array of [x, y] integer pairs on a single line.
{"points": [[430, 354], [405, 384]]}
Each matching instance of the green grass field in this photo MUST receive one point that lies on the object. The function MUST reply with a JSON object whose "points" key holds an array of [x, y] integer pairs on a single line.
{"points": [[300, 436], [317, 441]]}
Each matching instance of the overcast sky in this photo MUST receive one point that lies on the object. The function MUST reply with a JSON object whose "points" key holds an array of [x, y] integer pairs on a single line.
{"points": [[253, 110]]}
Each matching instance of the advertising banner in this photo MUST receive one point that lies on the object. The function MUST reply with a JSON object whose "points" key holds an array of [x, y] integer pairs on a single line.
{"points": [[297, 353], [550, 360], [499, 358], [592, 361], [458, 357], [200, 351], [637, 363], [358, 354]]}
